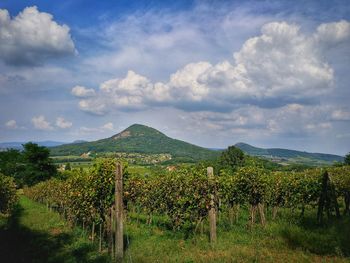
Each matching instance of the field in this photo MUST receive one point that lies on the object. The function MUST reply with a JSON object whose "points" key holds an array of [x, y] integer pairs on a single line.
{"points": [[167, 213], [262, 215], [46, 237]]}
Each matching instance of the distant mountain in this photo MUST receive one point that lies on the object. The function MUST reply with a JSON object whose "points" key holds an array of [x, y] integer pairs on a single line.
{"points": [[79, 141], [286, 156], [18, 145], [139, 139]]}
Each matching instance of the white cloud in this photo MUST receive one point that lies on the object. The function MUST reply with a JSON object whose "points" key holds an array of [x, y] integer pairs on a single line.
{"points": [[11, 124], [127, 93], [40, 123], [333, 33], [32, 36], [185, 83], [316, 126], [102, 129], [341, 115], [62, 123], [281, 66], [82, 92], [108, 126], [291, 120], [206, 32]]}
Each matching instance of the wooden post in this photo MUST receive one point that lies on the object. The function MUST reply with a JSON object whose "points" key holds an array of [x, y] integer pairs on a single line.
{"points": [[212, 211], [93, 232], [261, 213], [100, 241], [347, 202], [119, 245], [322, 199]]}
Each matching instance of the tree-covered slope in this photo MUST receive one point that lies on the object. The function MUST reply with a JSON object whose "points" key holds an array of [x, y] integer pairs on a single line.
{"points": [[290, 155], [141, 139]]}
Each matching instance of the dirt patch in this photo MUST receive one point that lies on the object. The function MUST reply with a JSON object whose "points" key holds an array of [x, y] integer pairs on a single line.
{"points": [[56, 231], [123, 134]]}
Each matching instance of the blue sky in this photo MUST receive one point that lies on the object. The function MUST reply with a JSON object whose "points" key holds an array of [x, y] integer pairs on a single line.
{"points": [[269, 73]]}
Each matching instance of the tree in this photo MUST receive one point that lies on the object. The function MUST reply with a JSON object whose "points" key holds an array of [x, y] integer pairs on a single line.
{"points": [[38, 165], [68, 167], [11, 164], [347, 159], [232, 158]]}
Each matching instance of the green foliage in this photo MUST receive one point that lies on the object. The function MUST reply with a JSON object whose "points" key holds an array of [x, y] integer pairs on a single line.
{"points": [[28, 167], [232, 158], [85, 196], [68, 167], [180, 199], [183, 196], [8, 196], [252, 184], [38, 165], [347, 159], [12, 164]]}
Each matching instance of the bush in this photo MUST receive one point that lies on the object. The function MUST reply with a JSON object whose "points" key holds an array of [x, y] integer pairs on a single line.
{"points": [[8, 197]]}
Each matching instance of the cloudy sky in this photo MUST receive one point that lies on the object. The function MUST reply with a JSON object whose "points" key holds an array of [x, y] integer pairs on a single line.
{"points": [[214, 73]]}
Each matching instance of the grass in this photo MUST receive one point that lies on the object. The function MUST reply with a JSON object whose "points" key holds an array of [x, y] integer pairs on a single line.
{"points": [[154, 245], [139, 170], [34, 234], [289, 239]]}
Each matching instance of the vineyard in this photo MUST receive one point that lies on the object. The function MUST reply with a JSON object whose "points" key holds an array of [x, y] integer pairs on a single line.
{"points": [[8, 196], [181, 200]]}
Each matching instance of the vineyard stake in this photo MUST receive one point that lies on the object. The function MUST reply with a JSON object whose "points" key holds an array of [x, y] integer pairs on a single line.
{"points": [[212, 211], [119, 246]]}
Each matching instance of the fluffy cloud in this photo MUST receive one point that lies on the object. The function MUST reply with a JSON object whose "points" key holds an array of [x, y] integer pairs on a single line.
{"points": [[32, 36], [40, 123], [341, 115], [62, 123], [127, 93], [102, 129], [333, 33], [11, 124], [108, 126], [82, 92], [279, 67]]}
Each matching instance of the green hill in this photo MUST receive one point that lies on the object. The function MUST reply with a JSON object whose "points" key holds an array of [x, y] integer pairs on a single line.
{"points": [[139, 139], [290, 156]]}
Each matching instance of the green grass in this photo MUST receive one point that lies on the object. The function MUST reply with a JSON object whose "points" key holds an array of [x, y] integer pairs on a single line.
{"points": [[289, 239], [151, 244], [139, 170], [34, 234]]}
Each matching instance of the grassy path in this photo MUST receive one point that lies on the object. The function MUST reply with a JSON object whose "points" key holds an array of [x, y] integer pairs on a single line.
{"points": [[34, 234]]}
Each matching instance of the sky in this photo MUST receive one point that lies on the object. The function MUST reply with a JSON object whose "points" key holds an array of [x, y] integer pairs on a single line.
{"points": [[213, 73]]}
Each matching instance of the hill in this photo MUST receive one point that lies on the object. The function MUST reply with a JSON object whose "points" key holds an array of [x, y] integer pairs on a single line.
{"points": [[139, 139], [286, 156]]}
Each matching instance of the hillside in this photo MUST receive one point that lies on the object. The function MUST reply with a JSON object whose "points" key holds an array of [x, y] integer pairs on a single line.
{"points": [[139, 139], [286, 156]]}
